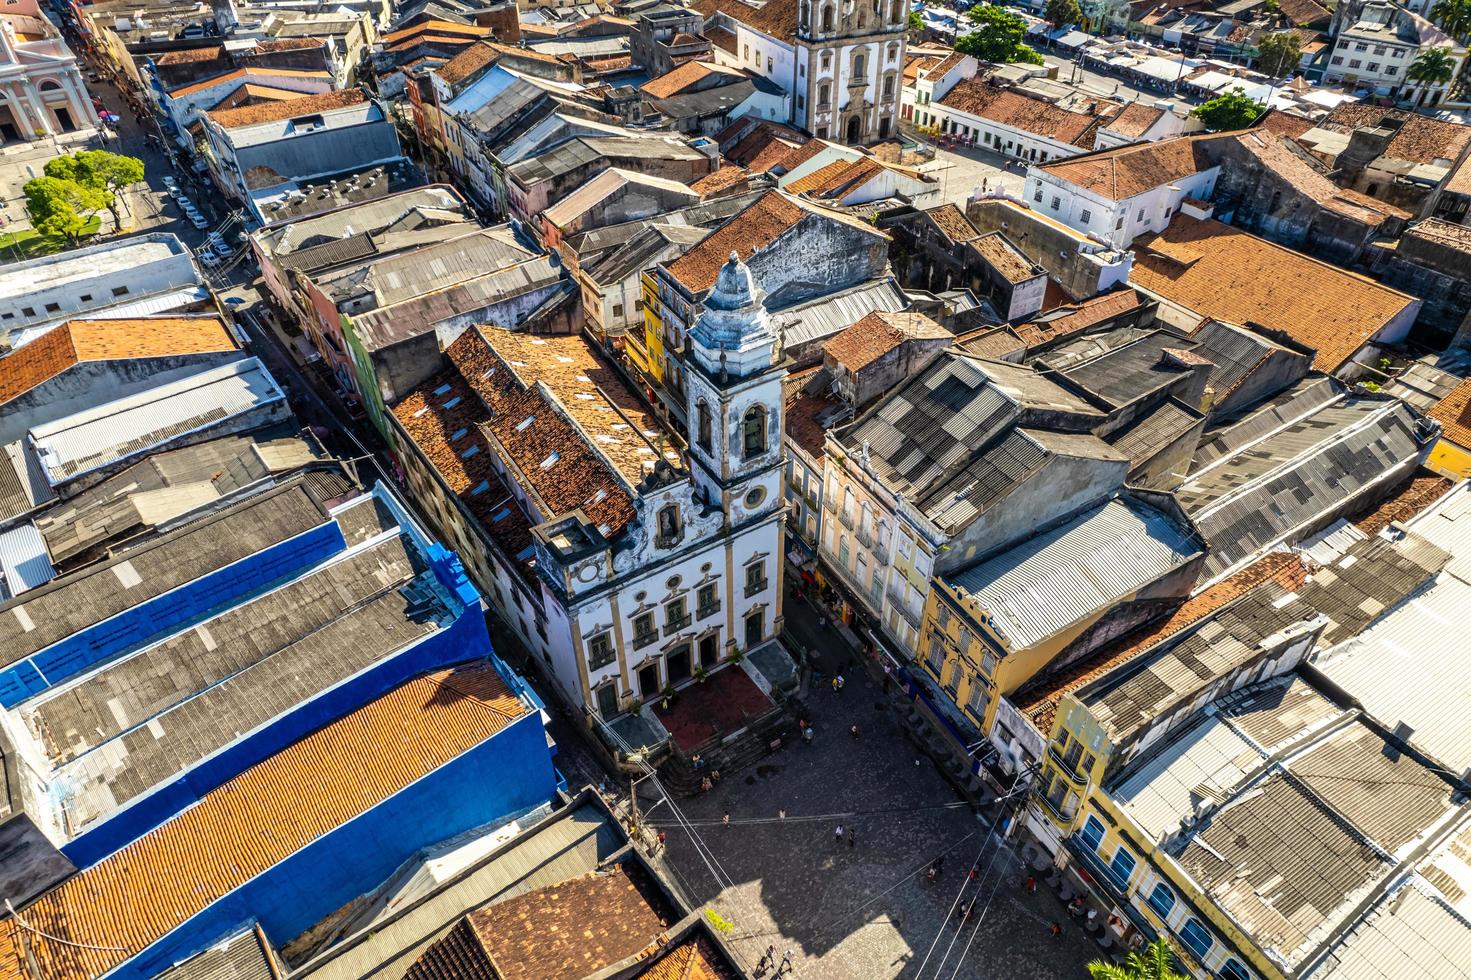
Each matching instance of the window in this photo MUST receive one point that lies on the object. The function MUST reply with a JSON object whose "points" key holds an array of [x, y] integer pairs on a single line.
{"points": [[1056, 203], [896, 11], [669, 531], [1086, 216], [755, 629], [843, 552], [753, 431], [702, 411], [888, 86], [800, 101], [617, 309], [1361, 47], [709, 600], [823, 91], [1196, 938], [748, 52], [119, 290], [53, 307], [936, 659], [1141, 214], [1162, 900], [1092, 833], [1338, 59], [827, 60], [1373, 66], [599, 650], [942, 618], [964, 640], [1391, 70], [676, 617], [860, 64], [1037, 194], [644, 632], [1119, 223], [769, 64], [979, 695], [1233, 970], [1354, 62], [1379, 49], [28, 310], [827, 19], [1122, 867], [755, 578]]}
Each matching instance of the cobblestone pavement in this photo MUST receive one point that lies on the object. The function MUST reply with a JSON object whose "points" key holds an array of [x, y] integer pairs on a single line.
{"points": [[961, 171], [863, 911]]}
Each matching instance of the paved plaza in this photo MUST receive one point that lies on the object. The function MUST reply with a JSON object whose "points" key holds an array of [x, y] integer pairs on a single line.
{"points": [[864, 910]]}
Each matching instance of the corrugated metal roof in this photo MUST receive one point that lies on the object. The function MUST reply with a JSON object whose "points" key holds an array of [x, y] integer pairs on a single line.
{"points": [[24, 562], [239, 957], [821, 318], [109, 433], [1411, 933], [1202, 765], [1046, 584], [152, 305]]}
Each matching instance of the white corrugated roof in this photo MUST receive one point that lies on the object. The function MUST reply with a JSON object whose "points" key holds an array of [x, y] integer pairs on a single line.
{"points": [[24, 561], [89, 440], [1210, 757], [1412, 933], [1053, 580]]}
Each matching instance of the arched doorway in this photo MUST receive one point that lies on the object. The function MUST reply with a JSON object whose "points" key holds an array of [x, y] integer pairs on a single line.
{"points": [[10, 128], [855, 129]]}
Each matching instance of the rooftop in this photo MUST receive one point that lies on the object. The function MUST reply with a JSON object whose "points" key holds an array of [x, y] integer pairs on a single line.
{"points": [[138, 895], [1276, 153], [1417, 139], [1135, 120], [1126, 171], [978, 97], [774, 18], [1084, 566], [106, 258], [606, 184], [1136, 369], [953, 222], [105, 340], [265, 112], [1219, 271], [811, 409], [1009, 261], [686, 76], [1067, 321], [767, 218], [877, 334]]}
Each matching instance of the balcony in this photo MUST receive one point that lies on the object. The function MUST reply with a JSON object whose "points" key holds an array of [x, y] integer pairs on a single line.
{"points": [[705, 612], [755, 588], [674, 624], [641, 640], [865, 537], [881, 553], [847, 518], [1063, 817], [1100, 872], [828, 503], [1070, 771]]}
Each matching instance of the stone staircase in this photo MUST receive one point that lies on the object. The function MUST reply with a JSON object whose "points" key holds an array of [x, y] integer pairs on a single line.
{"points": [[680, 777]]}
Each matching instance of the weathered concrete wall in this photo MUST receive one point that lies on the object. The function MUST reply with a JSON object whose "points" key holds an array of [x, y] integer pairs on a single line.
{"points": [[816, 257], [1048, 244]]}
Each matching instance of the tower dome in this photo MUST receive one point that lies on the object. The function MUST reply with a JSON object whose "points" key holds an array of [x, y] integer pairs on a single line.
{"points": [[734, 334]]}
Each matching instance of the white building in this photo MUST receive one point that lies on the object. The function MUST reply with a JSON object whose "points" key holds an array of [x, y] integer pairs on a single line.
{"points": [[1115, 195], [627, 568], [929, 76], [1375, 44], [842, 62], [41, 90]]}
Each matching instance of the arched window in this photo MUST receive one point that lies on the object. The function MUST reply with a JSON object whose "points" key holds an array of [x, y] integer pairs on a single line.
{"points": [[827, 60], [49, 85], [703, 426], [805, 17], [827, 17], [1162, 899], [669, 527], [824, 91], [1196, 938], [860, 63], [888, 86], [896, 11], [1233, 970], [753, 431]]}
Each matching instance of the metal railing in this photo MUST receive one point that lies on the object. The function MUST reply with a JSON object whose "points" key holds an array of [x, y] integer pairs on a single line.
{"points": [[676, 623]]}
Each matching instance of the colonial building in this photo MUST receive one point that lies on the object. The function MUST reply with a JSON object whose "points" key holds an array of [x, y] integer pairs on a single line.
{"points": [[626, 567], [41, 91], [841, 62]]}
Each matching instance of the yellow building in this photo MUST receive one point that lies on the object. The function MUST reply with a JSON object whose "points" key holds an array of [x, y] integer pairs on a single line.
{"points": [[990, 629], [1451, 454], [647, 351]]}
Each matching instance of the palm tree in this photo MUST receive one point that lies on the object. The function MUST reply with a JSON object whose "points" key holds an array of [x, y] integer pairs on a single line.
{"points": [[1433, 67], [1154, 962], [1454, 17]]}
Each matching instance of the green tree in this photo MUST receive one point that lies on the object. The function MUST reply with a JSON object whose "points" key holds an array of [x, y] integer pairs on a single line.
{"points": [[996, 37], [916, 22], [1063, 12], [1232, 110], [1454, 17], [1279, 53], [99, 170], [1154, 962], [1433, 67], [62, 207], [1272, 7]]}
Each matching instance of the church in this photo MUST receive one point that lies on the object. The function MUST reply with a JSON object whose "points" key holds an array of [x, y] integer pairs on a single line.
{"points": [[840, 60], [631, 568], [41, 89]]}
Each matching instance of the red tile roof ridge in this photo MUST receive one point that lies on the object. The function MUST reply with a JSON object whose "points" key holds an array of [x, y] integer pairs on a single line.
{"points": [[761, 222], [273, 111]]}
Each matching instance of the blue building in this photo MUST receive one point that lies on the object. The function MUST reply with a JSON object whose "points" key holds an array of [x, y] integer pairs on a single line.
{"points": [[140, 685]]}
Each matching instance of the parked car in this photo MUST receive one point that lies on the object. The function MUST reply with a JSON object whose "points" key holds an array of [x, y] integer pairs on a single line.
{"points": [[199, 221], [171, 184]]}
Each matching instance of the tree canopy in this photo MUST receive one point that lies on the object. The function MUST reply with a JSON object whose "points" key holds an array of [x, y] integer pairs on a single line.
{"points": [[1279, 54], [1454, 17], [98, 170], [1434, 67], [62, 207], [916, 22], [1231, 110], [1060, 13], [996, 36], [1154, 962]]}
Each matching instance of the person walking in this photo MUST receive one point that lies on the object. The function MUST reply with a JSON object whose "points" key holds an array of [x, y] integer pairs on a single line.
{"points": [[726, 819], [852, 837], [853, 731], [838, 835], [786, 964], [768, 960]]}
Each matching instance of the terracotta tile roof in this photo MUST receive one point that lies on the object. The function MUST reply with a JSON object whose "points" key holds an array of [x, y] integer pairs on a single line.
{"points": [[980, 98], [191, 55], [249, 94], [774, 18], [1135, 120], [858, 346], [1453, 412], [1078, 318], [1005, 258], [1039, 701], [572, 929], [1124, 171], [254, 821], [290, 44], [818, 178], [468, 62], [530, 53], [586, 449], [436, 27], [614, 63], [992, 343], [757, 226], [950, 62], [853, 176], [1303, 11], [684, 77], [1272, 153], [916, 63], [1413, 496], [721, 38], [243, 73], [106, 340], [953, 222], [766, 145], [693, 959], [1222, 272], [1283, 124], [271, 111], [802, 408], [1420, 139], [447, 406], [716, 181]]}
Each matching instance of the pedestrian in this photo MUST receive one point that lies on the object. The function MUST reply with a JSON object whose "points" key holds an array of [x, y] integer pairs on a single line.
{"points": [[854, 731], [768, 960], [705, 785], [726, 819], [840, 681], [931, 872], [696, 761], [662, 839], [1056, 930], [781, 814], [838, 835], [714, 775], [1031, 883], [786, 964], [975, 869], [852, 837], [807, 734]]}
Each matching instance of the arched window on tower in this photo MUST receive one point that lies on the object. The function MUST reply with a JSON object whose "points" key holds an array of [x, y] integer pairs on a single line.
{"points": [[753, 431], [703, 426], [860, 65], [827, 61], [824, 94], [896, 11], [669, 530], [827, 18]]}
